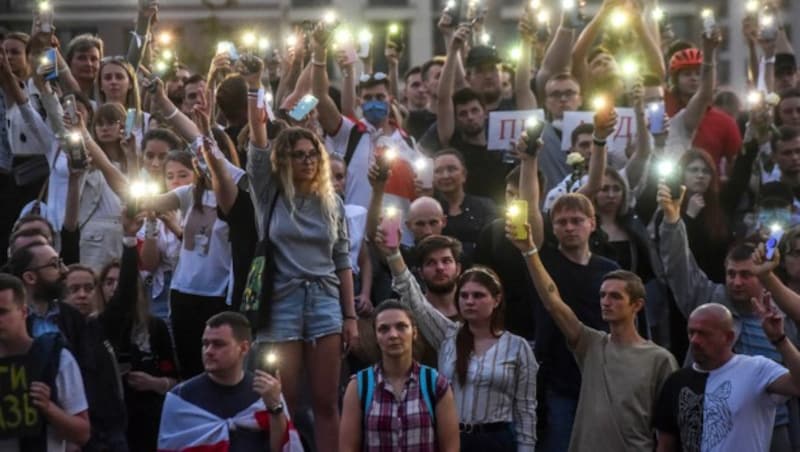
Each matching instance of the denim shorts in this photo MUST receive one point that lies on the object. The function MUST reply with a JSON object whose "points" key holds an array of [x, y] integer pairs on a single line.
{"points": [[307, 313]]}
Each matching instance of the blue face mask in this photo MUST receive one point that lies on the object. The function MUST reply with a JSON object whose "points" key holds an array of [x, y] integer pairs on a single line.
{"points": [[375, 111]]}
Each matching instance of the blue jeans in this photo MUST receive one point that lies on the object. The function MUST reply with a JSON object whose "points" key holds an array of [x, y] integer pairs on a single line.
{"points": [[560, 417]]}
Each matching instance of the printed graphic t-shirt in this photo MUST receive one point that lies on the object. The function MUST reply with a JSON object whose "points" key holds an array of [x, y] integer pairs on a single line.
{"points": [[723, 410]]}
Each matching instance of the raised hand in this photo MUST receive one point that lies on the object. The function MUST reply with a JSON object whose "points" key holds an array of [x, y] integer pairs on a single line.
{"points": [[771, 318], [671, 207]]}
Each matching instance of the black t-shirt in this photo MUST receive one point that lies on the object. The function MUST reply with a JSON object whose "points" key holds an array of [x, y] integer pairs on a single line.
{"points": [[418, 122], [243, 236], [496, 252], [225, 402], [476, 212], [486, 171], [579, 286]]}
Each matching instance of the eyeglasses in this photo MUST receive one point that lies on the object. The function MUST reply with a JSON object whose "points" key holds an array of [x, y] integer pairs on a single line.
{"points": [[569, 94], [56, 263], [378, 76], [301, 156]]}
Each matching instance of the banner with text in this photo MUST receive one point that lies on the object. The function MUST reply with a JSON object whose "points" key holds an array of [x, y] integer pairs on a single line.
{"points": [[626, 129], [506, 126], [18, 416]]}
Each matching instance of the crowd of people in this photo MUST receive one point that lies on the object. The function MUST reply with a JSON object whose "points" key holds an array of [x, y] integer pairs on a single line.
{"points": [[298, 250]]}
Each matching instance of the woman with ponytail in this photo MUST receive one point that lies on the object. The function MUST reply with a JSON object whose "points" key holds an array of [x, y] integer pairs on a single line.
{"points": [[493, 372]]}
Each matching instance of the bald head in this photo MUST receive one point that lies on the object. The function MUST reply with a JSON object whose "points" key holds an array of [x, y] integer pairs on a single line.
{"points": [[714, 313], [425, 217]]}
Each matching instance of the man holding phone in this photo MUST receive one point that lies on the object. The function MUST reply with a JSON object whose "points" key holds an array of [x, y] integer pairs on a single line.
{"points": [[227, 394]]}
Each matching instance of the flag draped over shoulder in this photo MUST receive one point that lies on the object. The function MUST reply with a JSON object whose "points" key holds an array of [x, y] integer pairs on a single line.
{"points": [[189, 428]]}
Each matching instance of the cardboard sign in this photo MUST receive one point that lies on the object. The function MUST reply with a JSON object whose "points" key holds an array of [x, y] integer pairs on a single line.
{"points": [[18, 416], [506, 126], [617, 141]]}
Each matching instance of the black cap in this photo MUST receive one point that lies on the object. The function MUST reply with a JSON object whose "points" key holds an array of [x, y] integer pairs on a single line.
{"points": [[479, 55], [785, 62], [775, 195]]}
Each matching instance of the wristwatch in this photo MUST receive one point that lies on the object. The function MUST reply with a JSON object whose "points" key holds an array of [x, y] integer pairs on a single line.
{"points": [[276, 409]]}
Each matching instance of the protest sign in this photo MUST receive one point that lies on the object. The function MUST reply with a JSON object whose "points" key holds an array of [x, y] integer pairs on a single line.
{"points": [[506, 126]]}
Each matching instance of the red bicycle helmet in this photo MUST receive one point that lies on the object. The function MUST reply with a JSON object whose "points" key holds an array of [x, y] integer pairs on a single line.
{"points": [[685, 59]]}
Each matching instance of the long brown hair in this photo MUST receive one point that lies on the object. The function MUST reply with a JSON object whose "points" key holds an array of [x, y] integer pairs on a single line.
{"points": [[201, 183], [713, 216], [465, 341]]}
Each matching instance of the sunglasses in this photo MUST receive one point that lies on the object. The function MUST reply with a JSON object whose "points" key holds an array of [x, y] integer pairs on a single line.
{"points": [[378, 76]]}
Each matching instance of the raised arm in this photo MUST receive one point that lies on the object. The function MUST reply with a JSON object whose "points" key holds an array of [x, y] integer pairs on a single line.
{"points": [[702, 99], [585, 41], [604, 123], [529, 187], [557, 58], [292, 68], [393, 55], [329, 116], [522, 76], [181, 123], [136, 48], [772, 322], [649, 42], [563, 315], [639, 161], [348, 70], [445, 116]]}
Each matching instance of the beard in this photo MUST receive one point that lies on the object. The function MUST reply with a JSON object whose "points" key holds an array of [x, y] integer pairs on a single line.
{"points": [[49, 290], [441, 288], [472, 132]]}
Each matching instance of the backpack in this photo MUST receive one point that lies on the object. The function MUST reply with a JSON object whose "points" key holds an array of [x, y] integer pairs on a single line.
{"points": [[427, 386], [44, 359]]}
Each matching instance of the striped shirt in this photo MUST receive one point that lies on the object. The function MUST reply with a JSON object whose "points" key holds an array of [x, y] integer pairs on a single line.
{"points": [[500, 384], [401, 422]]}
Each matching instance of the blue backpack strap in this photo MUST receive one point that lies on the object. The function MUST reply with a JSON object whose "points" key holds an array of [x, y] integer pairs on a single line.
{"points": [[427, 380], [366, 389]]}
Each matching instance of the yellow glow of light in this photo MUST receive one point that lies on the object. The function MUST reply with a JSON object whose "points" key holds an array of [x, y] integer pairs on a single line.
{"points": [[707, 13], [391, 212], [543, 17], [630, 68], [568, 4], [665, 167], [420, 163], [343, 36], [44, 61], [751, 6], [223, 46], [263, 44], [164, 38], [516, 53], [272, 358], [291, 40], [74, 137], [44, 6], [485, 38], [599, 103], [450, 4], [249, 39], [766, 20], [754, 98], [619, 18], [365, 36], [161, 66], [141, 189], [536, 4], [513, 211], [658, 14], [390, 154], [167, 54], [653, 107], [329, 17], [533, 121], [394, 29]]}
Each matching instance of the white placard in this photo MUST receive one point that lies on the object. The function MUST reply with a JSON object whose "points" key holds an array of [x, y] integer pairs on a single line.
{"points": [[506, 126], [617, 141]]}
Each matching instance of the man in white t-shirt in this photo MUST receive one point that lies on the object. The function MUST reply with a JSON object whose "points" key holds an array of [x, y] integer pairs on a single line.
{"points": [[37, 415], [726, 401]]}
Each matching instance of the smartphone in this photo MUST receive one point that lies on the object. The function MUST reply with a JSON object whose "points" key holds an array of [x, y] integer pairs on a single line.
{"points": [[76, 150], [533, 128], [390, 225], [268, 362], [655, 117], [364, 43], [775, 236], [130, 121], [768, 27], [70, 109], [304, 107], [230, 48], [453, 9], [385, 154], [668, 174], [423, 167], [572, 12], [709, 22], [395, 38], [45, 14], [517, 214], [48, 65]]}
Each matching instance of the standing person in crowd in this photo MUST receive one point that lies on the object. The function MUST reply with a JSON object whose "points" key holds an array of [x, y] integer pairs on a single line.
{"points": [[117, 83], [398, 387], [692, 288], [227, 406], [495, 411], [55, 391], [312, 312], [725, 400], [606, 414], [787, 112], [466, 214], [83, 56]]}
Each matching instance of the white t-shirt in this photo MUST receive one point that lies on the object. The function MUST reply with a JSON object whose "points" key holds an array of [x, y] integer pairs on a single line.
{"points": [[727, 409], [71, 399], [356, 224]]}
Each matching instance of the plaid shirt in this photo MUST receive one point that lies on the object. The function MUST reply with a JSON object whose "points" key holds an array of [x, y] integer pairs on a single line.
{"points": [[402, 423]]}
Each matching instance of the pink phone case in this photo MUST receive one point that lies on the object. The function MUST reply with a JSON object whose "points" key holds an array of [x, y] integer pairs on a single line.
{"points": [[391, 230]]}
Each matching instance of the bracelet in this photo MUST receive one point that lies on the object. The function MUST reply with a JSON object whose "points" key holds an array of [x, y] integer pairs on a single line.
{"points": [[172, 115], [129, 241], [530, 252], [770, 60], [598, 141], [349, 317], [317, 63], [394, 257], [777, 341]]}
